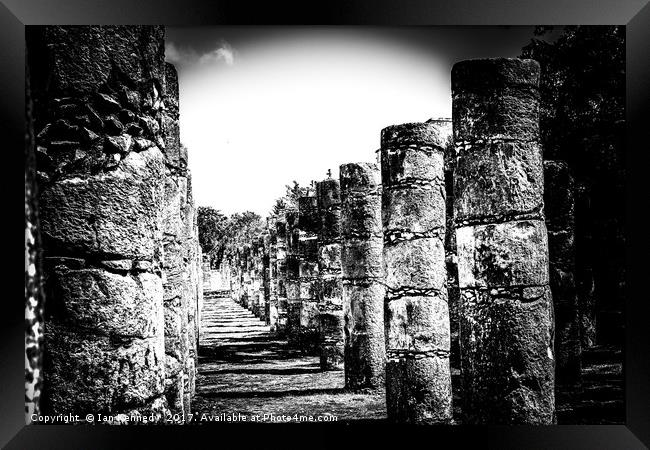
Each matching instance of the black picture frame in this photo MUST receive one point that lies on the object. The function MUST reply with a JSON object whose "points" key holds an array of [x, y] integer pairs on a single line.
{"points": [[635, 14]]}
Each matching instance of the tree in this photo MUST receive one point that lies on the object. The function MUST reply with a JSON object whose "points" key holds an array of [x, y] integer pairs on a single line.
{"points": [[212, 225], [582, 121], [291, 196], [582, 89]]}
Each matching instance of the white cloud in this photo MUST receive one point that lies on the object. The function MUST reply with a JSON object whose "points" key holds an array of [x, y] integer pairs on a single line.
{"points": [[185, 56], [224, 51]]}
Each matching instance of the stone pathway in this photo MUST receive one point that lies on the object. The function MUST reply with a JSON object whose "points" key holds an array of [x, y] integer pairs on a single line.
{"points": [[245, 371]]}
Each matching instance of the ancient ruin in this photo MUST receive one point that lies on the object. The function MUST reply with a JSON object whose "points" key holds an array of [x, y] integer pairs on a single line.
{"points": [[443, 285]]}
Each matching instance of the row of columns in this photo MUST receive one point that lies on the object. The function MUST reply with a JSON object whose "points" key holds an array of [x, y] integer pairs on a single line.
{"points": [[441, 250], [357, 272]]}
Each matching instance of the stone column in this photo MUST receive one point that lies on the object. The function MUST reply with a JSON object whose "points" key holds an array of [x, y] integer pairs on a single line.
{"points": [[418, 377], [330, 291], [308, 225], [192, 292], [506, 324], [362, 275], [268, 263], [559, 207], [273, 276], [292, 281], [237, 275], [263, 266], [246, 280], [98, 109], [281, 263], [176, 300]]}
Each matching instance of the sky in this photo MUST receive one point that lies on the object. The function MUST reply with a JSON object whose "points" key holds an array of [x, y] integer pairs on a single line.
{"points": [[261, 107]]}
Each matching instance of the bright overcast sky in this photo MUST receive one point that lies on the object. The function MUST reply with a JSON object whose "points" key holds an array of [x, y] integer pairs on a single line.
{"points": [[262, 106]]}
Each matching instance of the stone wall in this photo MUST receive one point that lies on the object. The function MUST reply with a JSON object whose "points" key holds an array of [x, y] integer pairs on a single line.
{"points": [[418, 377], [506, 326]]}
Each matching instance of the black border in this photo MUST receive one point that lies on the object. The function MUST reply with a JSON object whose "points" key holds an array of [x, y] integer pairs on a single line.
{"points": [[15, 14]]}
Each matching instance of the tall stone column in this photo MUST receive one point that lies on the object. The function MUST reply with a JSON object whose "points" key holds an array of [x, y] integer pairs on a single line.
{"points": [[273, 276], [268, 274], [362, 275], [192, 291], [506, 324], [281, 263], [418, 377], [98, 111], [246, 278], [330, 290], [263, 266], [559, 207], [176, 300], [292, 280], [308, 272]]}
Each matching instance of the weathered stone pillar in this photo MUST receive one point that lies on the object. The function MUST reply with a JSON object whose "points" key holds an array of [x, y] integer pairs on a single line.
{"points": [[266, 263], [362, 275], [246, 279], [192, 291], [175, 298], [559, 208], [272, 312], [237, 276], [308, 225], [98, 110], [263, 265], [506, 324], [330, 291], [292, 280], [418, 377], [281, 288]]}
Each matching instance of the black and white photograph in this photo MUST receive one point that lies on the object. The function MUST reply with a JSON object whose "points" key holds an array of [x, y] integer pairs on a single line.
{"points": [[326, 224]]}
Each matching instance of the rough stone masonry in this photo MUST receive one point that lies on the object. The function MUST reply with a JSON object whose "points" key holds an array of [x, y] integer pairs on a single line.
{"points": [[418, 377], [330, 300], [506, 327], [362, 275]]}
